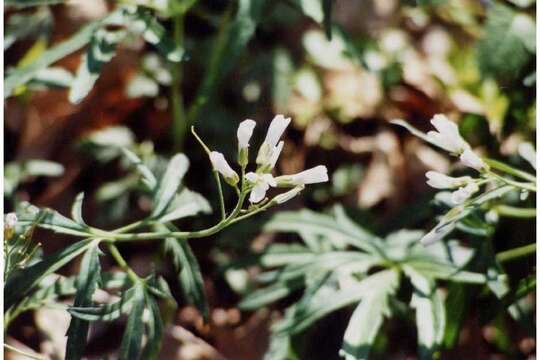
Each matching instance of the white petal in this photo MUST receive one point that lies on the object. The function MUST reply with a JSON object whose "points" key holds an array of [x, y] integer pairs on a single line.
{"points": [[221, 165], [244, 133], [258, 192], [275, 154], [464, 193], [251, 177], [276, 129], [470, 159], [447, 135], [314, 175], [268, 179], [438, 180]]}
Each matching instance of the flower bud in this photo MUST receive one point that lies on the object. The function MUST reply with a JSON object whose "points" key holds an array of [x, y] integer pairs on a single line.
{"points": [[10, 221], [220, 165], [470, 159], [244, 133], [314, 175], [438, 180], [447, 135], [463, 193], [286, 196]]}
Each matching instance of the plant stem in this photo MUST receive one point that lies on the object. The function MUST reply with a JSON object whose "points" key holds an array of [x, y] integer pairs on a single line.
{"points": [[123, 264], [517, 184], [510, 170], [511, 211], [516, 253], [179, 121]]}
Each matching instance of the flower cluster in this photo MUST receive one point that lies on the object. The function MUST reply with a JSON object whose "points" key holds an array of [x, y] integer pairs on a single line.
{"points": [[447, 137], [260, 180]]}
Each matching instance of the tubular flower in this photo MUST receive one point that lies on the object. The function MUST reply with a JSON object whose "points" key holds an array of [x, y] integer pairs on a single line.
{"points": [[447, 135], [470, 159], [314, 175], [222, 166], [270, 149], [438, 180], [261, 183], [463, 193], [244, 133]]}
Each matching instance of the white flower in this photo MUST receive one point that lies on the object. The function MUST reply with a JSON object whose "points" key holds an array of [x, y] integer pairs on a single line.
{"points": [[261, 183], [463, 193], [276, 129], [527, 152], [314, 175], [286, 196], [447, 135], [275, 154], [245, 130], [470, 159], [10, 220], [438, 180], [222, 166], [270, 149]]}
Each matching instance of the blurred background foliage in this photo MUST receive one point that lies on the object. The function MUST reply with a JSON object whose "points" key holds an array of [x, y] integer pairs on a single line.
{"points": [[341, 69]]}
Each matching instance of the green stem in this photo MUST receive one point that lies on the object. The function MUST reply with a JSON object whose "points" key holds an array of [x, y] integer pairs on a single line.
{"points": [[179, 121], [517, 184], [122, 263], [511, 211], [510, 170], [516, 253]]}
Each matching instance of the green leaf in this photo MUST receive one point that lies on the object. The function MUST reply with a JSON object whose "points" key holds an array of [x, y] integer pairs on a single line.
{"points": [[444, 271], [508, 43], [101, 50], [430, 314], [145, 23], [328, 299], [87, 281], [154, 331], [187, 203], [456, 309], [66, 286], [169, 184], [50, 219], [269, 294], [111, 311], [131, 342], [340, 231], [23, 281], [76, 209], [21, 76], [148, 177], [367, 319], [187, 269]]}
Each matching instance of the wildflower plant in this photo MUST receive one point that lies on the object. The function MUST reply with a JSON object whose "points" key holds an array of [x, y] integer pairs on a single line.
{"points": [[28, 279], [485, 190]]}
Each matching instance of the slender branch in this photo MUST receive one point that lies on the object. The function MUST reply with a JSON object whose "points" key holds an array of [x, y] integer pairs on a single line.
{"points": [[122, 263], [511, 211], [520, 185], [516, 253], [510, 170]]}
